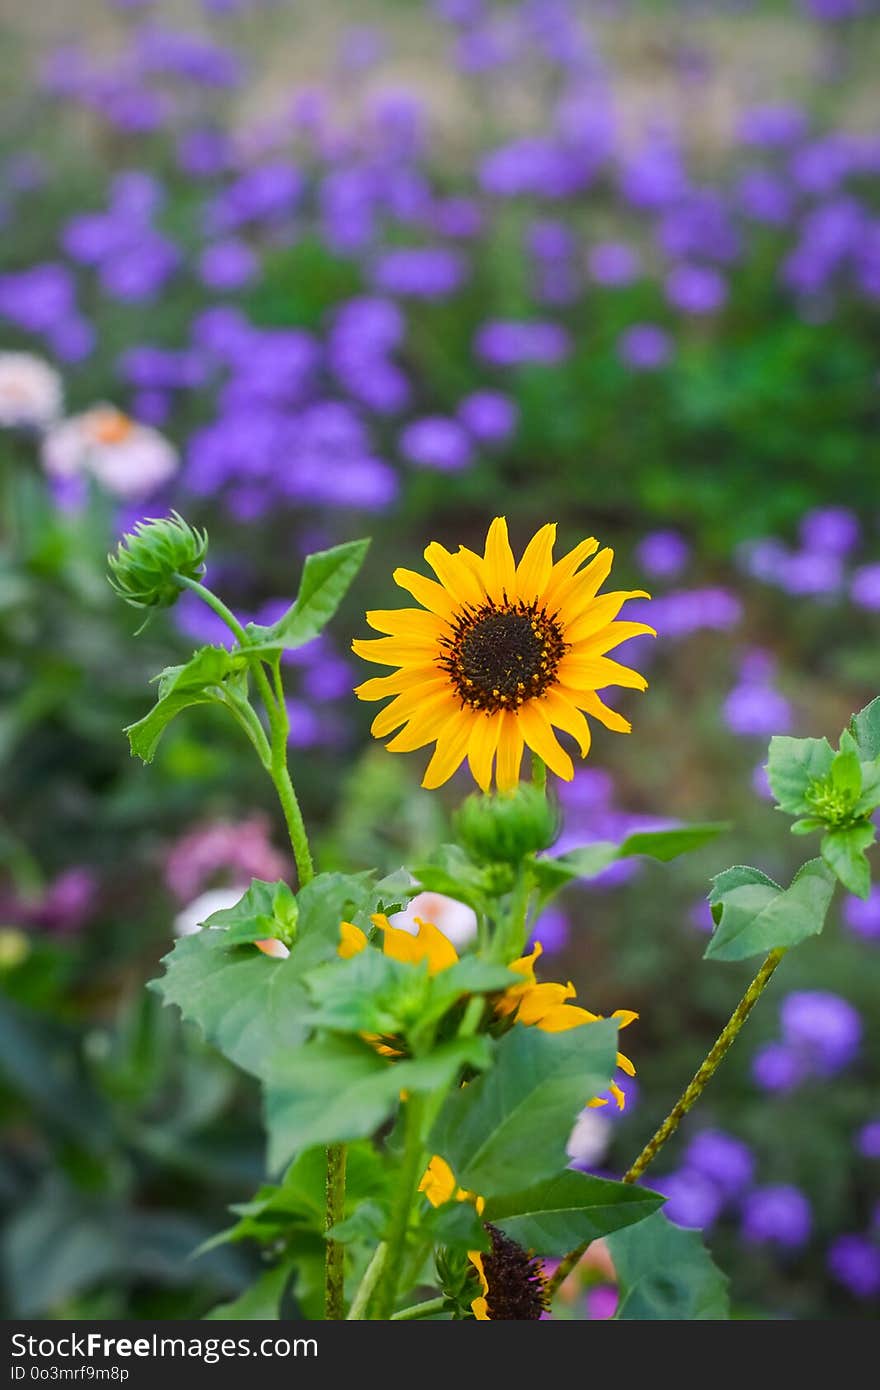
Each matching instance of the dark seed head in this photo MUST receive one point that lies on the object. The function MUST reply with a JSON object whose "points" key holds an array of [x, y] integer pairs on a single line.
{"points": [[515, 1278], [500, 655]]}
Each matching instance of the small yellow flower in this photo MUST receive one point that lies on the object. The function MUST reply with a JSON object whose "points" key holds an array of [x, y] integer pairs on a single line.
{"points": [[439, 1186], [499, 655]]}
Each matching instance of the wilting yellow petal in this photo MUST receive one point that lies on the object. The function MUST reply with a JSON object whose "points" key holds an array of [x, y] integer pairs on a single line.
{"points": [[428, 944], [438, 1182], [352, 940]]}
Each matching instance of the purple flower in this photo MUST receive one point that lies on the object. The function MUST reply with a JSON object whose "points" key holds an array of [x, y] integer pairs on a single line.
{"points": [[765, 197], [663, 554], [811, 573], [723, 1159], [204, 153], [73, 339], [754, 709], [420, 272], [644, 347], [772, 127], [435, 441], [776, 1067], [140, 270], [854, 1261], [39, 298], [699, 225], [692, 1199], [513, 343], [869, 1139], [825, 1029], [457, 217], [700, 916], [863, 915], [778, 1216], [267, 193], [488, 416], [832, 529], [163, 368], [535, 166], [189, 56], [682, 612], [228, 265], [864, 588], [551, 929], [614, 263], [655, 176], [832, 11], [761, 783], [696, 289]]}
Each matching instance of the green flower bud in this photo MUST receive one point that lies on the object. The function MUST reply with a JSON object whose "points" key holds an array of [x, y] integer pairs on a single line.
{"points": [[502, 829], [143, 571]]}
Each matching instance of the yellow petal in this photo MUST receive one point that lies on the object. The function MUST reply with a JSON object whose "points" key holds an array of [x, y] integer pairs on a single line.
{"points": [[480, 1305], [624, 1017], [438, 1182], [611, 636], [588, 700], [534, 569], [499, 571], [540, 737], [452, 745], [481, 748], [539, 1000], [352, 940], [566, 716], [455, 575], [618, 1095], [510, 751], [597, 672], [584, 622], [574, 593], [428, 944], [525, 965], [625, 1064], [564, 568], [429, 593], [566, 1016], [395, 651], [417, 699], [426, 724], [377, 687], [407, 622]]}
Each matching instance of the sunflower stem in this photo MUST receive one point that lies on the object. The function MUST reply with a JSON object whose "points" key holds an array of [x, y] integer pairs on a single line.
{"points": [[420, 1310], [369, 1280], [539, 773], [411, 1170], [688, 1097], [334, 1269]]}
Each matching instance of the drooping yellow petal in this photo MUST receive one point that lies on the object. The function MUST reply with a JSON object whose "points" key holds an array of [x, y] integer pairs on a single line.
{"points": [[452, 745], [418, 699], [428, 944], [625, 1064], [427, 726], [429, 593], [588, 700], [351, 940], [395, 651], [565, 1016], [624, 1017], [438, 1182], [455, 575], [480, 1304], [541, 739], [534, 569], [407, 622], [538, 1001], [482, 747], [584, 622], [510, 751], [499, 572], [597, 673], [566, 716]]}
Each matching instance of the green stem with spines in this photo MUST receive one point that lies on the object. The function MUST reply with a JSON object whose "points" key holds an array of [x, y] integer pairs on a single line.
{"points": [[687, 1099]]}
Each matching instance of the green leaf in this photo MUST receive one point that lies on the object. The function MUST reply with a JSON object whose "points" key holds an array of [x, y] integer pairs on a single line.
{"points": [[248, 1005], [367, 1223], [338, 1088], [754, 915], [865, 729], [666, 1273], [844, 853], [265, 910], [569, 1209], [511, 1125], [456, 1226], [325, 902], [179, 688], [326, 578], [261, 1302], [368, 993], [450, 871], [846, 771], [793, 764], [591, 860]]}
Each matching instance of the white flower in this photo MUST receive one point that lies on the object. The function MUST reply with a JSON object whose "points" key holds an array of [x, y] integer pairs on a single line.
{"points": [[588, 1141], [456, 920], [190, 919], [30, 390], [128, 459]]}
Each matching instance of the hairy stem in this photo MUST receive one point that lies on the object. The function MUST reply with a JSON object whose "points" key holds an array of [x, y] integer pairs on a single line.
{"points": [[688, 1098], [334, 1265]]}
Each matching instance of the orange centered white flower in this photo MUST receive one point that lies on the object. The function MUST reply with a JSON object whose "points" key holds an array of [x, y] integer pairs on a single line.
{"points": [[499, 656]]}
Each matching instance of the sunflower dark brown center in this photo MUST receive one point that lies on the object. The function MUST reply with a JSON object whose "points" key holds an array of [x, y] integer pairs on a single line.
{"points": [[499, 655], [515, 1278]]}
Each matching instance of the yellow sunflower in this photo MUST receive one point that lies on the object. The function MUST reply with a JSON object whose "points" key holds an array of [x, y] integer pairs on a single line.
{"points": [[499, 656]]}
